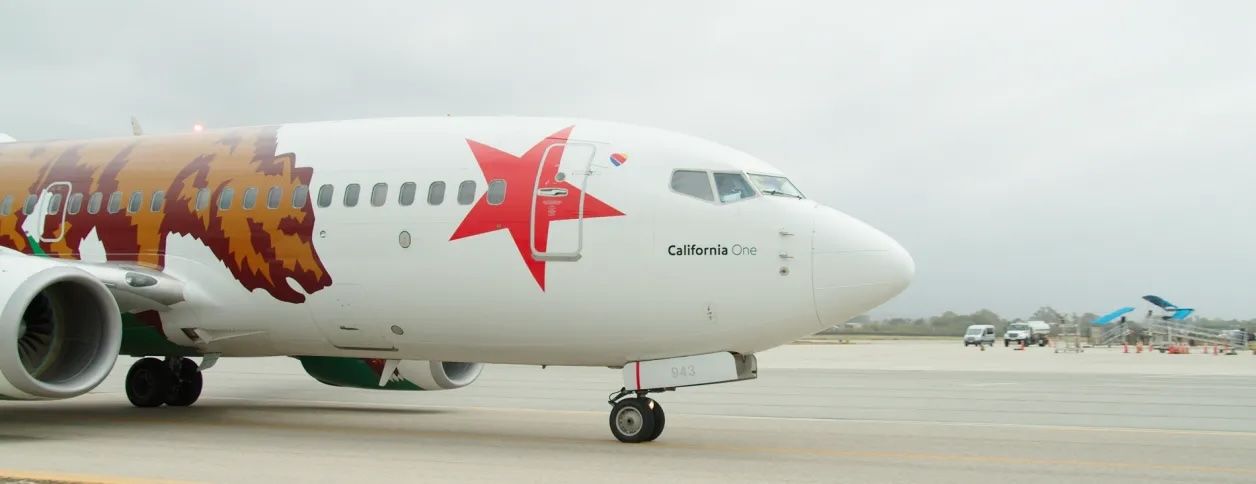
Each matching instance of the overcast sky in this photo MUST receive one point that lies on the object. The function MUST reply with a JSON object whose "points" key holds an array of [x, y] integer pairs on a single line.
{"points": [[1074, 154]]}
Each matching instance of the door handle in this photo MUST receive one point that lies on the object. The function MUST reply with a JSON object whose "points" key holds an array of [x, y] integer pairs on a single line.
{"points": [[551, 192], [348, 328]]}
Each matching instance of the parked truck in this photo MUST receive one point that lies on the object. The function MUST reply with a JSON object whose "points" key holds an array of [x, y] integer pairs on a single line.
{"points": [[1029, 332]]}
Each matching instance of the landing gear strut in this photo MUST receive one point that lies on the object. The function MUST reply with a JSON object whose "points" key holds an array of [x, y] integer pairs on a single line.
{"points": [[637, 419], [175, 382]]}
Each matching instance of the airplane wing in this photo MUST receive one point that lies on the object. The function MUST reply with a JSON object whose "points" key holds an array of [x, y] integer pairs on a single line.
{"points": [[135, 289], [1112, 316]]}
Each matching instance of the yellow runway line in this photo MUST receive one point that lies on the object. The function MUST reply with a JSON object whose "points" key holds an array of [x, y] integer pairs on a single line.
{"points": [[11, 474]]}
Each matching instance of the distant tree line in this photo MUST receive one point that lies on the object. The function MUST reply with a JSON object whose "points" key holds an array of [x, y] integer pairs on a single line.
{"points": [[951, 323]]}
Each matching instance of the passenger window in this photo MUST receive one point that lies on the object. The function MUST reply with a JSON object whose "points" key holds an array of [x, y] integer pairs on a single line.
{"points": [[29, 207], [93, 204], [250, 198], [115, 202], [159, 198], [436, 193], [6, 206], [466, 192], [325, 194], [379, 194], [137, 201], [733, 187], [202, 199], [54, 204], [273, 197], [300, 195], [496, 192], [693, 183], [407, 194], [351, 194], [76, 204], [225, 198]]}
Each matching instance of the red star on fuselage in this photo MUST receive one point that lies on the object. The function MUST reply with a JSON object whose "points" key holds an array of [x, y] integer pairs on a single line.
{"points": [[519, 173]]}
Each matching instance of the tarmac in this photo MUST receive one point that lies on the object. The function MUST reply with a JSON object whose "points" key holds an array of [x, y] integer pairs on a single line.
{"points": [[874, 411]]}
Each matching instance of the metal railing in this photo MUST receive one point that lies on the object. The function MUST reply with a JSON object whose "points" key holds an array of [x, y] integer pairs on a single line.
{"points": [[1167, 333]]}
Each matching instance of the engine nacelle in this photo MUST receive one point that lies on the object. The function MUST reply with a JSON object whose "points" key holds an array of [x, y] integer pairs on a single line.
{"points": [[60, 329], [409, 374]]}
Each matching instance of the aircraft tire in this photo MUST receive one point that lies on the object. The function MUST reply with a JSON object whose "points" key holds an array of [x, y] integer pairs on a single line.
{"points": [[148, 382], [186, 388], [660, 419], [632, 420]]}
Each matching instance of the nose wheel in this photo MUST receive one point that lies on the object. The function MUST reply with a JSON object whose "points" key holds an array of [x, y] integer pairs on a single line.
{"points": [[176, 382], [637, 419]]}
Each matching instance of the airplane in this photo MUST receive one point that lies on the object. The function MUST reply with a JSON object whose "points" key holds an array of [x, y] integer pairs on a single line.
{"points": [[407, 253]]}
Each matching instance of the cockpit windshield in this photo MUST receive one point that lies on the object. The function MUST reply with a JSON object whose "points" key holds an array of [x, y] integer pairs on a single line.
{"points": [[776, 185], [732, 187]]}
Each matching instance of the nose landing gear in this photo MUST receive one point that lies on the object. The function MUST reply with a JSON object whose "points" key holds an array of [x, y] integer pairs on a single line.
{"points": [[637, 419]]}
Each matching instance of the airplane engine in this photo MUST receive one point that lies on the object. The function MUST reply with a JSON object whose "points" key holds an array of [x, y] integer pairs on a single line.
{"points": [[439, 375], [60, 330], [408, 375]]}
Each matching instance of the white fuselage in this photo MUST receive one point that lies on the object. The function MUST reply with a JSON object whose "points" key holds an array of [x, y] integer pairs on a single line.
{"points": [[658, 274]]}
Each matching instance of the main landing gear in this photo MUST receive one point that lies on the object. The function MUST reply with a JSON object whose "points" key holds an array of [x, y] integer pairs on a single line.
{"points": [[152, 382], [637, 419]]}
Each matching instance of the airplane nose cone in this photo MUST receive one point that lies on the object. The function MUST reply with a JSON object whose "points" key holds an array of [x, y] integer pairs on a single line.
{"points": [[855, 267]]}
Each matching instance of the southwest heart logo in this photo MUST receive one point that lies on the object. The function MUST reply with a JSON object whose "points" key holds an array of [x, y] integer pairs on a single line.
{"points": [[618, 159], [519, 173]]}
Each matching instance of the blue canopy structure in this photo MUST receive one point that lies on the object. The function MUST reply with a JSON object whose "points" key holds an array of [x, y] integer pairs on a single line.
{"points": [[1159, 301], [1181, 314], [1112, 316], [1178, 313]]}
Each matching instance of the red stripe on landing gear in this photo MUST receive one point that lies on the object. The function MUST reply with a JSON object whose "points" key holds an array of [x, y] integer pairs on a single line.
{"points": [[638, 375]]}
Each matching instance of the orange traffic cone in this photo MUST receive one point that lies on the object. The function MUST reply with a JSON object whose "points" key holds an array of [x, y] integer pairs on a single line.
{"points": [[1140, 346], [1125, 347]]}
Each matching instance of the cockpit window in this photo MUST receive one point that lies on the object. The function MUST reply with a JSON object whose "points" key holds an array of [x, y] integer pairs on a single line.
{"points": [[696, 184], [776, 185], [733, 187]]}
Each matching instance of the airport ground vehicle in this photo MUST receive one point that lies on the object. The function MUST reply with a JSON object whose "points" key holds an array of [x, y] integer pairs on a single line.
{"points": [[1029, 332], [979, 334]]}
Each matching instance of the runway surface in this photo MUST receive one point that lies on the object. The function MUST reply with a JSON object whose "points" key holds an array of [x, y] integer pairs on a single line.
{"points": [[872, 412]]}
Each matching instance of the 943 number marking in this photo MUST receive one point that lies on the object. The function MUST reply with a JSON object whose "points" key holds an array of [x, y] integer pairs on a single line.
{"points": [[683, 371]]}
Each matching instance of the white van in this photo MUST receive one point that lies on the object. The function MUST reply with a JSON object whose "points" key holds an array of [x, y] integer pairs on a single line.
{"points": [[979, 334]]}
